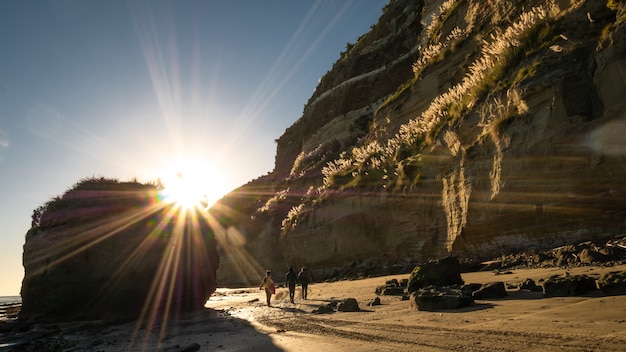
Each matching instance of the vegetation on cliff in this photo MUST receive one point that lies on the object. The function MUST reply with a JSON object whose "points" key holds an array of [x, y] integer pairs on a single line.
{"points": [[452, 127]]}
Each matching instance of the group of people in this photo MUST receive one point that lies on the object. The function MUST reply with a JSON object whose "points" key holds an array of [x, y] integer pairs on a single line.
{"points": [[291, 279]]}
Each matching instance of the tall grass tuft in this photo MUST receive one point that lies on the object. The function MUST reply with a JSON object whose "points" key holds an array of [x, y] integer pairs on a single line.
{"points": [[496, 53]]}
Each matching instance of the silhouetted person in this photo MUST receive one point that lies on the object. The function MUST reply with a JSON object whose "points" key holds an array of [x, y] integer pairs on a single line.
{"points": [[291, 278], [304, 279], [268, 285]]}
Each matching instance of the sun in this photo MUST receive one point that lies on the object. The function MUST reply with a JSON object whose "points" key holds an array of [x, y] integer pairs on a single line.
{"points": [[191, 185]]}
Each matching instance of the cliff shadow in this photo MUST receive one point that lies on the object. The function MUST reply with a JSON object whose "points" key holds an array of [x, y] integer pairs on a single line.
{"points": [[208, 329]]}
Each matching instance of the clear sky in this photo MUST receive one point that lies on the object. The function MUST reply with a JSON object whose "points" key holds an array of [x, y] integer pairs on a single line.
{"points": [[134, 89]]}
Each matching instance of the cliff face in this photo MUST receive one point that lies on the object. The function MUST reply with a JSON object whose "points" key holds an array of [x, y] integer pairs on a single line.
{"points": [[343, 103], [460, 127], [109, 250]]}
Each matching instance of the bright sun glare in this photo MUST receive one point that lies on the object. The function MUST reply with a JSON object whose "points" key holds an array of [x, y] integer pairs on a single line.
{"points": [[192, 185]]}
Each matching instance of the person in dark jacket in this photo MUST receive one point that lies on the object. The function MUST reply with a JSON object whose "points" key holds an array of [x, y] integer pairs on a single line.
{"points": [[291, 278], [304, 279]]}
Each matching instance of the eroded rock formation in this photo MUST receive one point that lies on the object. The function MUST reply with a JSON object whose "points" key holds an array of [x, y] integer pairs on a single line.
{"points": [[111, 251], [464, 128]]}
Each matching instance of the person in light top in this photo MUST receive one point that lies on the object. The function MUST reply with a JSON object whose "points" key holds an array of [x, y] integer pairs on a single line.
{"points": [[268, 284]]}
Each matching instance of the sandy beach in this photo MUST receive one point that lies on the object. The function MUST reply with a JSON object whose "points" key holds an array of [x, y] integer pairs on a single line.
{"points": [[239, 320]]}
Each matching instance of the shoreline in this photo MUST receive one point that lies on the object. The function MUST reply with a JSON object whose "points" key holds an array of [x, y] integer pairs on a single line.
{"points": [[237, 319]]}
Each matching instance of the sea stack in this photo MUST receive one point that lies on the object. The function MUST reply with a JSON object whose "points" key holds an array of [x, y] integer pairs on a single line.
{"points": [[112, 251]]}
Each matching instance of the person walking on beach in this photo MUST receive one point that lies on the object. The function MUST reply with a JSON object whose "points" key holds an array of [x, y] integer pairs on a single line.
{"points": [[269, 286], [291, 279], [304, 279]]}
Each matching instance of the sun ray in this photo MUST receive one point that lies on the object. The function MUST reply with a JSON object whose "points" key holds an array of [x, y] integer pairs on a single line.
{"points": [[232, 244], [91, 235], [159, 289]]}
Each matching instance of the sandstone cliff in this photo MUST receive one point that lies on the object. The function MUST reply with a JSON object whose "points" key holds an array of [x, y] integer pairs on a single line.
{"points": [[107, 250], [471, 128]]}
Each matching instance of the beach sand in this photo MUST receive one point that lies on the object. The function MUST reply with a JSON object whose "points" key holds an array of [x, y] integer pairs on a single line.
{"points": [[239, 320]]}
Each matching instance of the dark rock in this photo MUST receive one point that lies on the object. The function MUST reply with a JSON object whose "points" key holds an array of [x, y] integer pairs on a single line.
{"points": [[529, 284], [433, 298], [348, 305], [468, 265], [374, 302], [590, 256], [490, 291], [568, 286], [393, 291], [323, 310], [392, 283], [468, 289], [404, 283], [491, 266], [392, 287], [442, 272], [613, 283]]}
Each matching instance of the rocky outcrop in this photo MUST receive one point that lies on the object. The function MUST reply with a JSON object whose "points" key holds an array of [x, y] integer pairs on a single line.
{"points": [[497, 129], [443, 272], [111, 251], [598, 252], [568, 286]]}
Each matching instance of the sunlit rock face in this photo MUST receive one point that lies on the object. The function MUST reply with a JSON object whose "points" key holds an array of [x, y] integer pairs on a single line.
{"points": [[112, 251], [504, 132]]}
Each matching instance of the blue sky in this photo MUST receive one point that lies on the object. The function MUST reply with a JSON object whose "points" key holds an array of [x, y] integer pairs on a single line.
{"points": [[132, 89]]}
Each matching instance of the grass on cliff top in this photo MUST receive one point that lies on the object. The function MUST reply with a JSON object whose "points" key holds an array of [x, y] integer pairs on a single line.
{"points": [[90, 192]]}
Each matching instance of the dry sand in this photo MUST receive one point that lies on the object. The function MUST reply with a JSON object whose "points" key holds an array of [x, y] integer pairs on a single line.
{"points": [[238, 320]]}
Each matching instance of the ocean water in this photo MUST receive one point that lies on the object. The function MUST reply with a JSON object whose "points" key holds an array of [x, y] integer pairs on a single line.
{"points": [[9, 308], [4, 300]]}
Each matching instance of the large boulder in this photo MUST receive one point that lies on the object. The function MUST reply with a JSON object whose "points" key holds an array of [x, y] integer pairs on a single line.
{"points": [[349, 305], [442, 272], [613, 283], [568, 286], [434, 298], [112, 251]]}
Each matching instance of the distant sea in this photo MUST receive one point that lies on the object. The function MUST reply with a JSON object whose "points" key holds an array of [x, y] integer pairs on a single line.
{"points": [[4, 300], [9, 308]]}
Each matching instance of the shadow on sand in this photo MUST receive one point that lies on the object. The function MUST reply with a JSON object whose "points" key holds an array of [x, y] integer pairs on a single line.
{"points": [[199, 331]]}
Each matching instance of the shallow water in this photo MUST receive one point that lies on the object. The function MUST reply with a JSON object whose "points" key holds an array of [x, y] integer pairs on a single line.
{"points": [[9, 307]]}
